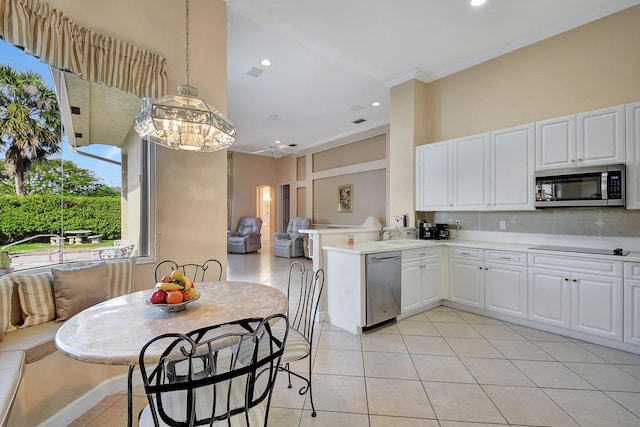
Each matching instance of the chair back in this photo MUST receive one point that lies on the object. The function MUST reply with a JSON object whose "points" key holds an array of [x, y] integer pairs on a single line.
{"points": [[248, 224], [199, 379], [208, 271], [303, 307], [298, 223]]}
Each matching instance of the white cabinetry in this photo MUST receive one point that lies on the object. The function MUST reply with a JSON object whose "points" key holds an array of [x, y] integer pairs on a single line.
{"points": [[584, 139], [471, 172], [434, 176], [466, 276], [632, 303], [584, 294], [633, 155], [505, 282], [421, 278]]}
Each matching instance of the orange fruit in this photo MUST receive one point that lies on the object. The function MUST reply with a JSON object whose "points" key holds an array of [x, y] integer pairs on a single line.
{"points": [[174, 297]]}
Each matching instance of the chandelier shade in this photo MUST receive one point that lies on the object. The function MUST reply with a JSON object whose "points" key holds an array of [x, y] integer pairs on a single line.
{"points": [[184, 121]]}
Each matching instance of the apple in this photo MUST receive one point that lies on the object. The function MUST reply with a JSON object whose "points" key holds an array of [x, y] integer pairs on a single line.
{"points": [[158, 297], [166, 279]]}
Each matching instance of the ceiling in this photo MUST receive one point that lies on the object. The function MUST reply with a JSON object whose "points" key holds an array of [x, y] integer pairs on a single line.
{"points": [[332, 59]]}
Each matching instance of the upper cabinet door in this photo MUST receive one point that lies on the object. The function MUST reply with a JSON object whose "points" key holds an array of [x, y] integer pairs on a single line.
{"points": [[633, 155], [511, 168], [556, 143], [601, 136], [434, 174], [470, 177]]}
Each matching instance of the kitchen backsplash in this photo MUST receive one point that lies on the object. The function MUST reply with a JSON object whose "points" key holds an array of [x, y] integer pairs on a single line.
{"points": [[584, 222]]}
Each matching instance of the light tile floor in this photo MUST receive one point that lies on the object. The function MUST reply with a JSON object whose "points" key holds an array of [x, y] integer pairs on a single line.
{"points": [[443, 367]]}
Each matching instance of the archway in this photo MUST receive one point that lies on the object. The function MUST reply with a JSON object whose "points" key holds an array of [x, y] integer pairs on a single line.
{"points": [[264, 204]]}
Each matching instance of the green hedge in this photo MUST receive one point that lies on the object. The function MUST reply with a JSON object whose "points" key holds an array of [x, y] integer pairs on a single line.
{"points": [[21, 217]]}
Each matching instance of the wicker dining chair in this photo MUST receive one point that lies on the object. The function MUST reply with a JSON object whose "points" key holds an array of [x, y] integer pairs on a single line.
{"points": [[210, 270], [199, 380]]}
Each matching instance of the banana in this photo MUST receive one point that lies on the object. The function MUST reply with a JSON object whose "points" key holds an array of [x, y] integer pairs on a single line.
{"points": [[187, 283], [169, 286]]}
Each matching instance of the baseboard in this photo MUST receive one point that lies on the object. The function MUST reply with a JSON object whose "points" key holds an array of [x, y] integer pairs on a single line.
{"points": [[81, 405]]}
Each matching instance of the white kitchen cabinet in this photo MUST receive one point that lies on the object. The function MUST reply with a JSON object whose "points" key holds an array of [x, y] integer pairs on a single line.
{"points": [[511, 171], [466, 276], [421, 278], [582, 294], [556, 143], [471, 172], [585, 139], [505, 282], [434, 176], [494, 171], [601, 137], [633, 155], [632, 303]]}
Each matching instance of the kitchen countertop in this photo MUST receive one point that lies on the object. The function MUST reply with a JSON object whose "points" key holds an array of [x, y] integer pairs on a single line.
{"points": [[363, 248]]}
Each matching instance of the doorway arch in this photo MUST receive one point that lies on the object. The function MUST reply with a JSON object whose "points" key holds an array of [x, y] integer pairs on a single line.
{"points": [[265, 195]]}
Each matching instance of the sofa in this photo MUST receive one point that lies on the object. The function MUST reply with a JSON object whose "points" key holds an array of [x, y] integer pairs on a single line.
{"points": [[247, 237], [36, 380], [291, 244]]}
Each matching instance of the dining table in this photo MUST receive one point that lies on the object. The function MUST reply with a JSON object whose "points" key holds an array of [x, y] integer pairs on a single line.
{"points": [[113, 332]]}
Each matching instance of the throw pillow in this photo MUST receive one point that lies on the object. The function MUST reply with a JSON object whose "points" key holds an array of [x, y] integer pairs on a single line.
{"points": [[6, 292], [36, 298], [120, 276], [78, 288]]}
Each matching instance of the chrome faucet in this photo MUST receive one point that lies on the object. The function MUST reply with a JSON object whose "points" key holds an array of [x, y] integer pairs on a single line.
{"points": [[384, 231]]}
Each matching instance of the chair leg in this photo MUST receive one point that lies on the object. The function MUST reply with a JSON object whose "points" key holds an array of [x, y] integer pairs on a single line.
{"points": [[288, 374], [313, 408]]}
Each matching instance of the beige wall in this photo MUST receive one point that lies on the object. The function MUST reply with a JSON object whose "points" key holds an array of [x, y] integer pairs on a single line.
{"points": [[250, 172], [593, 66], [368, 198]]}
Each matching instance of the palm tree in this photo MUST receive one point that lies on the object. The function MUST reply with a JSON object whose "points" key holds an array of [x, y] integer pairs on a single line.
{"points": [[30, 126]]}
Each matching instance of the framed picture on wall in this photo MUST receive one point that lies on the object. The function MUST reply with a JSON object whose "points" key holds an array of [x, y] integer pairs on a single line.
{"points": [[345, 198]]}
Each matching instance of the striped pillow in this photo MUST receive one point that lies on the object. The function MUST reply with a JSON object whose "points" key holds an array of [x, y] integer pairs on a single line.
{"points": [[6, 293], [120, 276], [36, 298]]}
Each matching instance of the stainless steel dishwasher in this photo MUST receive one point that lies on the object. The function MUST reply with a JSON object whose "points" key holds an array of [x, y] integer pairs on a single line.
{"points": [[384, 271]]}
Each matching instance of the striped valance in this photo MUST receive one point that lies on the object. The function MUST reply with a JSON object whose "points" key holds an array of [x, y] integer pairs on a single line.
{"points": [[54, 38]]}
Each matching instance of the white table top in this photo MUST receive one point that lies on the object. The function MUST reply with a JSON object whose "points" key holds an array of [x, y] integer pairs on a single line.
{"points": [[114, 331]]}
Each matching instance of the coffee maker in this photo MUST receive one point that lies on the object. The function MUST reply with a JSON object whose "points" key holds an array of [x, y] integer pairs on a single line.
{"points": [[442, 232], [427, 232]]}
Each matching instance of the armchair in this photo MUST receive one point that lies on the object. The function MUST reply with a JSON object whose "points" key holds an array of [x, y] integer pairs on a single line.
{"points": [[291, 243], [247, 237]]}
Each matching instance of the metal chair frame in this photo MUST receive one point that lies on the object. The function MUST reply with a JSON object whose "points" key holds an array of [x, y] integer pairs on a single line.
{"points": [[213, 374], [303, 316], [195, 272]]}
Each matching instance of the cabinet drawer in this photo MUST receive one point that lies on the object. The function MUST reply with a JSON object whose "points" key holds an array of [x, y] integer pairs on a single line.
{"points": [[632, 270], [413, 254], [581, 265], [466, 253], [505, 257]]}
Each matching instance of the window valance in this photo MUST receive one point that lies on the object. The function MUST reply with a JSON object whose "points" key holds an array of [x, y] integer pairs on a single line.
{"points": [[54, 38]]}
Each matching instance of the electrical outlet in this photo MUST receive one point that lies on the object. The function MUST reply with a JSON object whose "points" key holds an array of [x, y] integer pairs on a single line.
{"points": [[503, 225], [458, 224]]}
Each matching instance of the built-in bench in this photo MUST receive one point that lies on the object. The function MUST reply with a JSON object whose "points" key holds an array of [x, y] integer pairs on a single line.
{"points": [[23, 346]]}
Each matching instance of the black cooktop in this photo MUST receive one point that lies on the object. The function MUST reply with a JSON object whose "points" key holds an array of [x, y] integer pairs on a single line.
{"points": [[617, 251]]}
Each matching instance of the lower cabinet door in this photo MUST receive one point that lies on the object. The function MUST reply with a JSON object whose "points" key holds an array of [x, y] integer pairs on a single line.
{"points": [[466, 281], [596, 305], [505, 289], [632, 311], [431, 281], [411, 285], [550, 297]]}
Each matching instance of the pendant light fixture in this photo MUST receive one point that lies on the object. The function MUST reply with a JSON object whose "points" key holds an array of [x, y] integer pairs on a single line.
{"points": [[184, 121]]}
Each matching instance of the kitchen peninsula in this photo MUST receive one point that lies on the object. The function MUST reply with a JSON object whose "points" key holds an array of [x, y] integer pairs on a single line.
{"points": [[589, 296]]}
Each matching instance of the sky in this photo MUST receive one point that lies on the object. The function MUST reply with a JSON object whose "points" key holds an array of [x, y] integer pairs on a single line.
{"points": [[109, 173]]}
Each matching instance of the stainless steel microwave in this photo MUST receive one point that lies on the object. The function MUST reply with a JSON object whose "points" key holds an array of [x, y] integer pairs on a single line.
{"points": [[581, 187]]}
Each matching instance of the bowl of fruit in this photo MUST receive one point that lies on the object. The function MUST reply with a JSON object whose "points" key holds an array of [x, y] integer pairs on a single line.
{"points": [[173, 293]]}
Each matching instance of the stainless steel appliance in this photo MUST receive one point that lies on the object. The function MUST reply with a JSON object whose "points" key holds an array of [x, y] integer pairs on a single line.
{"points": [[383, 286], [442, 231], [581, 187]]}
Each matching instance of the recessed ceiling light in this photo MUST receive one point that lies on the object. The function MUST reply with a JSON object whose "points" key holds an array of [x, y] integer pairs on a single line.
{"points": [[477, 3], [375, 104], [265, 62]]}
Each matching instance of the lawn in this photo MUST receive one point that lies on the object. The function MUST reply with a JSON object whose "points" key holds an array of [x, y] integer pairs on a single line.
{"points": [[32, 247]]}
